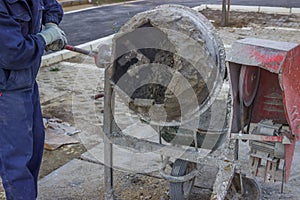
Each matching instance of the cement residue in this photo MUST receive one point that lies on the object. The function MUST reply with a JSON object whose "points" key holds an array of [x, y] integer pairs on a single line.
{"points": [[181, 40]]}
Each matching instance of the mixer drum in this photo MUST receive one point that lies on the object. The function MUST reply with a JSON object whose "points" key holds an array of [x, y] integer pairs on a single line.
{"points": [[168, 64]]}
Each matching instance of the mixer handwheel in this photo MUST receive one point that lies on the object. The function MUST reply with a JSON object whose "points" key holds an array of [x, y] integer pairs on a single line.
{"points": [[181, 191]]}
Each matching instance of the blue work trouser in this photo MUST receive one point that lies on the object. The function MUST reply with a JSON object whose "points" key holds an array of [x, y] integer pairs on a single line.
{"points": [[21, 143]]}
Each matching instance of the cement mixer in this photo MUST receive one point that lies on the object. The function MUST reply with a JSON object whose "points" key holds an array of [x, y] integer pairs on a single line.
{"points": [[168, 67]]}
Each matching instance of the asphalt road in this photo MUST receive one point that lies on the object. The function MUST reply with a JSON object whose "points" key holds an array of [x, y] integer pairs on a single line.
{"points": [[85, 26]]}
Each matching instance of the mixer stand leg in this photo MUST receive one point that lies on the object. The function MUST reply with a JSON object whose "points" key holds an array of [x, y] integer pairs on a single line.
{"points": [[108, 170]]}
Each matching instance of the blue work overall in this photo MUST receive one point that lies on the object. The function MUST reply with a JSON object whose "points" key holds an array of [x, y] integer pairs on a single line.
{"points": [[21, 124]]}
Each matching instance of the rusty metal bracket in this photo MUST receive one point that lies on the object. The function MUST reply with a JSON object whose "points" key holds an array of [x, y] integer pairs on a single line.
{"points": [[265, 138]]}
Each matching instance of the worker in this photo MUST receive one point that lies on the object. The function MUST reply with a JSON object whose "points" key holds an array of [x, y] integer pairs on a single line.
{"points": [[23, 41]]}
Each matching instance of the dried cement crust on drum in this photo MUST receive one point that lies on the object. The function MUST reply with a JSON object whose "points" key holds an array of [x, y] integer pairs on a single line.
{"points": [[188, 51]]}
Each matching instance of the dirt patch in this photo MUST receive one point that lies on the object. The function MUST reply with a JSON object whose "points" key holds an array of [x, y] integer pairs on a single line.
{"points": [[135, 186], [60, 108], [52, 160], [243, 19]]}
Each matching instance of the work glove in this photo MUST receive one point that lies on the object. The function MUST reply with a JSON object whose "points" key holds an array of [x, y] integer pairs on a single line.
{"points": [[54, 37], [57, 45]]}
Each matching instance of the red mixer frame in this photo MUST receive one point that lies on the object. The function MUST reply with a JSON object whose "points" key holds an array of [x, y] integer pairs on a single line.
{"points": [[265, 81]]}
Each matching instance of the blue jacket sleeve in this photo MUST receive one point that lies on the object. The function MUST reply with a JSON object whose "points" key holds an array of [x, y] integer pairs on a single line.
{"points": [[53, 12], [17, 51]]}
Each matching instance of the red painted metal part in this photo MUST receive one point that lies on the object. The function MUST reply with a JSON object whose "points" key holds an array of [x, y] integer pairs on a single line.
{"points": [[249, 80], [269, 103], [264, 138], [289, 153], [265, 54], [272, 138], [278, 94], [270, 61], [291, 88]]}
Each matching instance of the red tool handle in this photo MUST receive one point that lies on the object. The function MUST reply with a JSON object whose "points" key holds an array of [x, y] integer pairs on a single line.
{"points": [[79, 50]]}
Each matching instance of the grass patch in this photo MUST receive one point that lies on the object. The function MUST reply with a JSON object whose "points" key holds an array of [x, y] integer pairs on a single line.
{"points": [[54, 69]]}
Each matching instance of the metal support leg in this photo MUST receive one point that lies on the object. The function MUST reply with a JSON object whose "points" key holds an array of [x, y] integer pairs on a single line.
{"points": [[108, 170], [226, 171], [108, 150]]}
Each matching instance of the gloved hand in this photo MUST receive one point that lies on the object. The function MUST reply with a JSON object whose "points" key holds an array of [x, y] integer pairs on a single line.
{"points": [[57, 45], [54, 37]]}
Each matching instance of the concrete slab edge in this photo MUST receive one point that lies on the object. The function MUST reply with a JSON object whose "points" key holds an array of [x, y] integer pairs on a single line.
{"points": [[59, 56], [262, 9]]}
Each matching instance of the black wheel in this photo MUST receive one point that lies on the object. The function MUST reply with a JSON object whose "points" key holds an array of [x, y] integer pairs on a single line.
{"points": [[181, 191], [251, 189]]}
